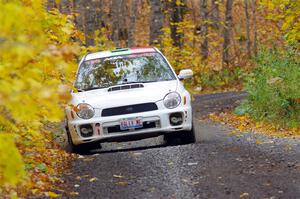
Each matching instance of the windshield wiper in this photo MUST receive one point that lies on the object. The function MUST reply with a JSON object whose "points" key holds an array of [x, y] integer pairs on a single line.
{"points": [[92, 88], [135, 82]]}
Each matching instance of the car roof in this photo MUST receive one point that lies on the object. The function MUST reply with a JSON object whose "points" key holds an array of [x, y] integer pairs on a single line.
{"points": [[119, 51]]}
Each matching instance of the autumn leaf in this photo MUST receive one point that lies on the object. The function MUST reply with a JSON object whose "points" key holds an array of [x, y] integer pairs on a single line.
{"points": [[244, 195], [258, 142], [118, 176], [52, 194], [122, 183], [93, 179], [73, 193]]}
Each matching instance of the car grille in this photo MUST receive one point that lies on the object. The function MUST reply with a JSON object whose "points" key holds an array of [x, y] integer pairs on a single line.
{"points": [[146, 125], [123, 110]]}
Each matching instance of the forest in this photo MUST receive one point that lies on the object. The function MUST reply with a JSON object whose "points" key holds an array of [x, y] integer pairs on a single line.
{"points": [[231, 45]]}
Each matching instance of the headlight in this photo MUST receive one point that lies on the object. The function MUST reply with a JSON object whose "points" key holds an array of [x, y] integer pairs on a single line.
{"points": [[172, 100], [85, 111]]}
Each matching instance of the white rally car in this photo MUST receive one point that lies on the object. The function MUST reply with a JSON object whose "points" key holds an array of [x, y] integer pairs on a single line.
{"points": [[128, 94]]}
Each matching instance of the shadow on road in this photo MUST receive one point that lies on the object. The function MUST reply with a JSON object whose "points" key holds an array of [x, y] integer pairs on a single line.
{"points": [[100, 151]]}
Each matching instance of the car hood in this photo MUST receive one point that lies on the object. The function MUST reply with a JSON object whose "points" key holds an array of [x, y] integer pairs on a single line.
{"points": [[102, 98]]}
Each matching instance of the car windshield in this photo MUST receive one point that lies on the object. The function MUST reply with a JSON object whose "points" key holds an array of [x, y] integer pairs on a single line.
{"points": [[134, 68]]}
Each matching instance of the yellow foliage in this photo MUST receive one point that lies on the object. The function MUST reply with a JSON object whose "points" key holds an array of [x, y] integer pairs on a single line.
{"points": [[101, 42], [286, 13], [37, 61], [11, 165], [186, 56]]}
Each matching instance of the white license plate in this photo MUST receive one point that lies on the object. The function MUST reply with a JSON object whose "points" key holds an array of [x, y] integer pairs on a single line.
{"points": [[131, 123]]}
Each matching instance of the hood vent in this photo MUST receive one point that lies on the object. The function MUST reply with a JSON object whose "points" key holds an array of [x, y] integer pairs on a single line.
{"points": [[125, 87]]}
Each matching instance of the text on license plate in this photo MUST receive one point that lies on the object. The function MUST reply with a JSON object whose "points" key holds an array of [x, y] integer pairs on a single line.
{"points": [[132, 123]]}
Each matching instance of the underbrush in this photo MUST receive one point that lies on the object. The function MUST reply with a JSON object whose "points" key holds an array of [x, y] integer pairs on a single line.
{"points": [[221, 80], [245, 124], [273, 88]]}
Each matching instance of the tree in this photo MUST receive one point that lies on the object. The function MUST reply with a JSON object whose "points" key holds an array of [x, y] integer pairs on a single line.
{"points": [[204, 29], [119, 25], [247, 29], [215, 14], [254, 28], [177, 14], [51, 4], [66, 6], [156, 21], [226, 31], [115, 10], [132, 24], [91, 22]]}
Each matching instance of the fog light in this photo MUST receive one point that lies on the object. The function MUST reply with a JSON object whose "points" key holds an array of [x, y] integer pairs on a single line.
{"points": [[176, 119], [86, 130]]}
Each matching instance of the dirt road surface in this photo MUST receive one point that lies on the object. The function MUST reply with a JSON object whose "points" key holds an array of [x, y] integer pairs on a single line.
{"points": [[219, 165]]}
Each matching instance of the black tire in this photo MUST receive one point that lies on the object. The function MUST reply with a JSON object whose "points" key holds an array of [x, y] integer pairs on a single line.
{"points": [[172, 139], [182, 137], [188, 137], [82, 148]]}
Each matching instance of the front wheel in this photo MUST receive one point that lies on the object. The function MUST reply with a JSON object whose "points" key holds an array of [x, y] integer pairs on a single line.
{"points": [[82, 148], [188, 137], [183, 137]]}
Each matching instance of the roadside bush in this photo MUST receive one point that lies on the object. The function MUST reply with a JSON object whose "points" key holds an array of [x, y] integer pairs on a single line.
{"points": [[273, 87]]}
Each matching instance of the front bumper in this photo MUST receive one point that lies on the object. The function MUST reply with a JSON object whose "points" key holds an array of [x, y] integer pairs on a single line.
{"points": [[155, 123]]}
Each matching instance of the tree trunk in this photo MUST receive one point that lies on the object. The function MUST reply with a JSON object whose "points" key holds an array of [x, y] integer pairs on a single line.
{"points": [[215, 14], [177, 13], [247, 29], [78, 10], [193, 10], [254, 28], [115, 9], [226, 32], [124, 19], [156, 21], [204, 29], [51, 4], [118, 9], [132, 23], [100, 19], [66, 6], [91, 22]]}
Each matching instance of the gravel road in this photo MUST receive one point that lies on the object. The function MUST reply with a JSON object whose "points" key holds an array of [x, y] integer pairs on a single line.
{"points": [[220, 165]]}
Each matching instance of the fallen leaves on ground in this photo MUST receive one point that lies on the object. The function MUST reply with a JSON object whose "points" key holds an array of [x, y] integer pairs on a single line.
{"points": [[45, 162], [246, 124]]}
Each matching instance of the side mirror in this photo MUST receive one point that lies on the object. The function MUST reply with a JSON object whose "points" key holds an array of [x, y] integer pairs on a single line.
{"points": [[185, 74]]}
